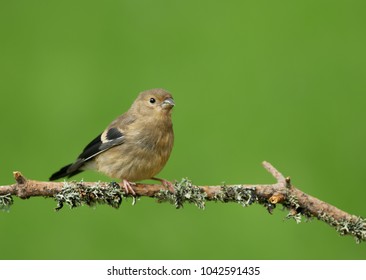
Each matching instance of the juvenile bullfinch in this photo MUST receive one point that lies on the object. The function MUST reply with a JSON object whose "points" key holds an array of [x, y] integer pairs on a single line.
{"points": [[135, 146]]}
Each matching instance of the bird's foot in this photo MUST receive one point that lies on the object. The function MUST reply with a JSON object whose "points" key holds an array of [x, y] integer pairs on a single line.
{"points": [[127, 186], [169, 185]]}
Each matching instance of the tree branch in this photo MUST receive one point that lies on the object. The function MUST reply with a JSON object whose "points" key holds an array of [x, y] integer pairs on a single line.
{"points": [[282, 192]]}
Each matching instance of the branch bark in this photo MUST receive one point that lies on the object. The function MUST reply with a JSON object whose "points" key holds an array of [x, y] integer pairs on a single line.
{"points": [[282, 192]]}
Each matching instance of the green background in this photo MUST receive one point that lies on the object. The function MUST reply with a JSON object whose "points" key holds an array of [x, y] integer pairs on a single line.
{"points": [[282, 81]]}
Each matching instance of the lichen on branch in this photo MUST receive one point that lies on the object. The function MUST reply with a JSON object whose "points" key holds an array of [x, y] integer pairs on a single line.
{"points": [[298, 203]]}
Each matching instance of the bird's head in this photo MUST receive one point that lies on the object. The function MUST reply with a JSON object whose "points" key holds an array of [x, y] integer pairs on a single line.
{"points": [[154, 102]]}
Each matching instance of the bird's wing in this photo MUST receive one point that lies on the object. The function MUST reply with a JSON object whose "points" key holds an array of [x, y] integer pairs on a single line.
{"points": [[106, 140], [111, 137]]}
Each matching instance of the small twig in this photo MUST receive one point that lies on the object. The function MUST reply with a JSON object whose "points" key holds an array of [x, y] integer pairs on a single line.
{"points": [[282, 192]]}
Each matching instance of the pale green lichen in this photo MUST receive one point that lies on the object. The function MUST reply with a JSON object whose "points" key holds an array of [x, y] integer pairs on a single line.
{"points": [[292, 202], [5, 202], [296, 216], [184, 192], [244, 196], [76, 194], [355, 227]]}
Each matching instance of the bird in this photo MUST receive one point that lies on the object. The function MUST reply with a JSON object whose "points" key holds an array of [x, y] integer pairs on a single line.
{"points": [[135, 146]]}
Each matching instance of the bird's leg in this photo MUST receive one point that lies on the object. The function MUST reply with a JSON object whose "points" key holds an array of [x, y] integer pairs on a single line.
{"points": [[127, 186], [169, 185]]}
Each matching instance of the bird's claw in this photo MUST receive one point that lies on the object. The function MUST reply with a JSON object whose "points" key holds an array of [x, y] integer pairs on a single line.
{"points": [[127, 186], [169, 185]]}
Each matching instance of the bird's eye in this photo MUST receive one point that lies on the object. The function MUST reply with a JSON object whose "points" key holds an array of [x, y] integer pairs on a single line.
{"points": [[152, 100]]}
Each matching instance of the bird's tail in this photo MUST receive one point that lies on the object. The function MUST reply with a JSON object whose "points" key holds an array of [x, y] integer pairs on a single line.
{"points": [[65, 171]]}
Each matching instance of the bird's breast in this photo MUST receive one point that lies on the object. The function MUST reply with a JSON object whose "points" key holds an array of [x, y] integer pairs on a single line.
{"points": [[141, 156]]}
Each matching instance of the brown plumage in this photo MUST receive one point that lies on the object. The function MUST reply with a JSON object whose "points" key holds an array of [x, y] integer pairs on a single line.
{"points": [[135, 146]]}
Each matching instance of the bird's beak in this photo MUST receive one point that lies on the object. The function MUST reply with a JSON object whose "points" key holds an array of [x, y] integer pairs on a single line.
{"points": [[168, 103]]}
